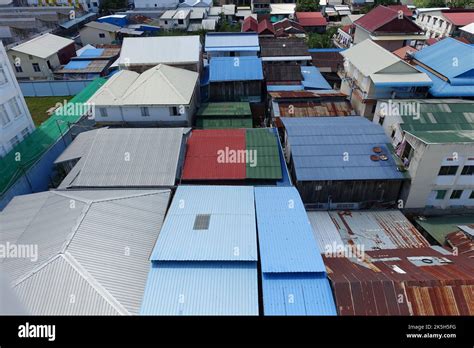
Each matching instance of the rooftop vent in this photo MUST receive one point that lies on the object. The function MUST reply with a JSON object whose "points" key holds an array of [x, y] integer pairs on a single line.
{"points": [[202, 222]]}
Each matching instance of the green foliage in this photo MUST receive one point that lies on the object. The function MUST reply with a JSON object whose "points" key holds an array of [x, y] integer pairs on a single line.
{"points": [[316, 40], [106, 5], [307, 6], [431, 3], [225, 26]]}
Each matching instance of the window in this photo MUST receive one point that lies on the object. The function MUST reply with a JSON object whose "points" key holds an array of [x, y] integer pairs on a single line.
{"points": [[381, 120], [448, 170], [201, 222], [180, 21], [15, 109], [393, 133], [468, 170], [145, 112], [36, 67], [3, 77], [25, 132], [435, 20], [49, 65], [95, 4], [4, 118], [103, 112], [174, 111], [14, 141], [101, 35], [456, 194], [30, 57], [471, 195], [440, 194], [18, 69]]}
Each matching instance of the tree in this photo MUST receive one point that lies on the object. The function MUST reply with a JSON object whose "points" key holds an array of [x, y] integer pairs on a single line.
{"points": [[316, 40], [106, 5], [307, 6], [429, 3]]}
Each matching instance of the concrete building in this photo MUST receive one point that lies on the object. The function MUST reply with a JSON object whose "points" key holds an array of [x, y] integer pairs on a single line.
{"points": [[38, 58], [231, 44], [176, 19], [371, 72], [435, 140], [155, 4], [162, 95], [443, 22], [15, 119], [95, 33]]}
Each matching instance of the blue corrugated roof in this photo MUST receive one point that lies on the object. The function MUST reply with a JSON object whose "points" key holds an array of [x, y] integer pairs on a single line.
{"points": [[92, 53], [319, 146], [285, 235], [235, 69], [201, 288], [279, 88], [77, 64], [297, 294], [231, 235], [449, 57], [441, 88], [313, 79], [242, 42]]}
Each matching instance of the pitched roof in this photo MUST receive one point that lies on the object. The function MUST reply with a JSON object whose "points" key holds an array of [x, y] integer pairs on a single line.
{"points": [[404, 8], [403, 52], [231, 42], [379, 18], [459, 18], [126, 87], [250, 25], [153, 159], [82, 239], [382, 66], [265, 27], [43, 46], [286, 26], [283, 47], [103, 26], [318, 142], [311, 19], [468, 28]]}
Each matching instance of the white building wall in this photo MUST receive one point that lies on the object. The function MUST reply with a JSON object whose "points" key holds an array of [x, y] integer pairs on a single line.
{"points": [[18, 126], [434, 24], [162, 4], [424, 168]]}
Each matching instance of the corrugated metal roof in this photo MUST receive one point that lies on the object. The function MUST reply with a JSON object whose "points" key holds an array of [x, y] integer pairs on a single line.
{"points": [[314, 108], [263, 143], [374, 230], [311, 19], [297, 294], [43, 46], [231, 235], [439, 227], [103, 26], [380, 17], [162, 49], [203, 149], [441, 55], [318, 147], [235, 69], [324, 231], [231, 42], [398, 282], [93, 249], [459, 17], [135, 157], [224, 123], [283, 47], [285, 236], [313, 79], [176, 87], [201, 288], [78, 148], [224, 109]]}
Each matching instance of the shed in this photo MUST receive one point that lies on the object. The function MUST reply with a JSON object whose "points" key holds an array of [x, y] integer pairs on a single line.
{"points": [[231, 44], [342, 162], [224, 115]]}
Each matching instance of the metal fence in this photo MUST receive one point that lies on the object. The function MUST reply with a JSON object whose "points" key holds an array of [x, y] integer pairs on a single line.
{"points": [[52, 88]]}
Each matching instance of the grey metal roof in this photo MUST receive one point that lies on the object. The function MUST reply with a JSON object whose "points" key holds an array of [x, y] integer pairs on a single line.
{"points": [[138, 157], [78, 148], [93, 249], [324, 230]]}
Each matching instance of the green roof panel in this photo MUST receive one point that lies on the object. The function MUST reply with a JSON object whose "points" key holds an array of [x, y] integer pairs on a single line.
{"points": [[265, 144]]}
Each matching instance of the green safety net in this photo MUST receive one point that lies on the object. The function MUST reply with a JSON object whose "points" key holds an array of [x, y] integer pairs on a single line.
{"points": [[26, 153]]}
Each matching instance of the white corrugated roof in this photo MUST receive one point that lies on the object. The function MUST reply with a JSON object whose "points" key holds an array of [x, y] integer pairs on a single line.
{"points": [[103, 26], [164, 49], [43, 46], [468, 28], [92, 249], [176, 87], [127, 158]]}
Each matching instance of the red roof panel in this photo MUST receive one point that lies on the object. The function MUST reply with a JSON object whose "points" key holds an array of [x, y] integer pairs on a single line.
{"points": [[374, 19], [202, 160], [404, 8], [265, 27], [311, 19], [250, 25], [459, 18]]}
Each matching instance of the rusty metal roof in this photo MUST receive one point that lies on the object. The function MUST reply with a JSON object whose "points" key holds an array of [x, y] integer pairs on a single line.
{"points": [[419, 281], [311, 109], [283, 47], [461, 243], [306, 95], [282, 72]]}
